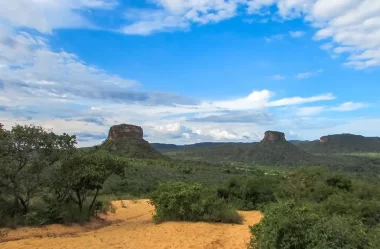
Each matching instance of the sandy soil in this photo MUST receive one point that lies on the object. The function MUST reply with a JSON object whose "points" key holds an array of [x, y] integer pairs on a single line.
{"points": [[132, 228]]}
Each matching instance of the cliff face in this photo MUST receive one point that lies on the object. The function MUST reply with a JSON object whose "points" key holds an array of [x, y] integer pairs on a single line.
{"points": [[125, 131], [273, 136], [323, 140]]}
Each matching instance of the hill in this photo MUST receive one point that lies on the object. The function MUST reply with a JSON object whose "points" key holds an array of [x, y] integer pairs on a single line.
{"points": [[127, 140], [272, 150], [341, 144]]}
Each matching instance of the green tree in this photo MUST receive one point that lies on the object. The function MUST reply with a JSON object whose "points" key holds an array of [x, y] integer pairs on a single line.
{"points": [[26, 151], [82, 175]]}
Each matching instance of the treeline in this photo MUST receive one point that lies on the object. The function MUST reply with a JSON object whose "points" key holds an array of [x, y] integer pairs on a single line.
{"points": [[45, 179]]}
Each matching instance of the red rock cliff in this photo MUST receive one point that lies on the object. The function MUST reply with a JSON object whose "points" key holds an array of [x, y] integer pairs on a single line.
{"points": [[125, 131], [273, 136]]}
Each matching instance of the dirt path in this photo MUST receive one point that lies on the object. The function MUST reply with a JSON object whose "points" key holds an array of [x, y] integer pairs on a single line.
{"points": [[132, 228]]}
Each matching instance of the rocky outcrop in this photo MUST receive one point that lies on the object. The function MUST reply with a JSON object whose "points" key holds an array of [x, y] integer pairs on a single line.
{"points": [[125, 131], [273, 136], [127, 140], [323, 140]]}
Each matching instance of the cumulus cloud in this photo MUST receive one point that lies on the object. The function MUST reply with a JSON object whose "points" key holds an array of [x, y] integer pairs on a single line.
{"points": [[32, 70], [353, 25], [179, 14]]}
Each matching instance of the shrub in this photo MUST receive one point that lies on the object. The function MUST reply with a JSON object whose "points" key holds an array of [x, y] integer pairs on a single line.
{"points": [[289, 225], [36, 218], [179, 201], [248, 193], [340, 182]]}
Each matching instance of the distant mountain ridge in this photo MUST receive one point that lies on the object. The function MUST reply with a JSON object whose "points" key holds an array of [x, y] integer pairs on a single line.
{"points": [[330, 144], [341, 144], [272, 150]]}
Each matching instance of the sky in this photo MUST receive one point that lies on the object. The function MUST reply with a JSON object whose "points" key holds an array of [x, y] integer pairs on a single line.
{"points": [[191, 71]]}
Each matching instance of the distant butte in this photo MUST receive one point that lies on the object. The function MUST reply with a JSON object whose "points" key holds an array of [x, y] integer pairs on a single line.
{"points": [[125, 131], [274, 136]]}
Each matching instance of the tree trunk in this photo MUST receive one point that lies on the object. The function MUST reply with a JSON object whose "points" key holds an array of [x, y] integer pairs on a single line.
{"points": [[93, 202], [80, 201], [25, 205]]}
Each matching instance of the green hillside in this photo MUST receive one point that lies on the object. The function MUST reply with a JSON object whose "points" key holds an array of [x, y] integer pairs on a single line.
{"points": [[263, 153], [132, 148], [341, 144]]}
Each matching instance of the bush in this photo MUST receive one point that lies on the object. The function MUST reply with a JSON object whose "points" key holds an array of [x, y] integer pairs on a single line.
{"points": [[340, 182], [248, 193], [36, 218], [179, 201], [289, 225]]}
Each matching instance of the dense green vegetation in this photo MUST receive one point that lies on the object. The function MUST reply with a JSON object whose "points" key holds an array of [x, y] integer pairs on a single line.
{"points": [[179, 201], [279, 154], [42, 176], [45, 179]]}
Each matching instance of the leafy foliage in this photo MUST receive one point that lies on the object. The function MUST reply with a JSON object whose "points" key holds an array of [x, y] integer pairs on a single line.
{"points": [[190, 202], [248, 193], [26, 151], [288, 225], [81, 174]]}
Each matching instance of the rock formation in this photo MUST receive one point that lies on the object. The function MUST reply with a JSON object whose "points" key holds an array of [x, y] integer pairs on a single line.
{"points": [[125, 131], [323, 139], [127, 140], [273, 136]]}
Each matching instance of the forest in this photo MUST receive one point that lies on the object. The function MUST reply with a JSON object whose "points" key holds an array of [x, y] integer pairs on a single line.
{"points": [[46, 179]]}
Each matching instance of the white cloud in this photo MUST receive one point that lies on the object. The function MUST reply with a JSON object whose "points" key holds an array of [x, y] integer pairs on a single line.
{"points": [[310, 111], [296, 34], [344, 107], [274, 38], [277, 77], [306, 75], [353, 24], [300, 100], [178, 14], [349, 106], [46, 15], [32, 69], [255, 100]]}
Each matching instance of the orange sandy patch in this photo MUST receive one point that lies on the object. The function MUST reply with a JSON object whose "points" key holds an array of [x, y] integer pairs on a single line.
{"points": [[132, 228]]}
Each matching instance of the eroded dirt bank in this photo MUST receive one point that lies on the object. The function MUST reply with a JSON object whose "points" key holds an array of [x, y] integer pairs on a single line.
{"points": [[132, 228]]}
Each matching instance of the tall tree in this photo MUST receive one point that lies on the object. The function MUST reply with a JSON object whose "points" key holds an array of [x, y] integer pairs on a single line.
{"points": [[83, 174], [25, 152]]}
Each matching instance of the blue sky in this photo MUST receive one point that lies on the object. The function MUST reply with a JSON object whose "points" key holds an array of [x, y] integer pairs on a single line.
{"points": [[191, 70]]}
